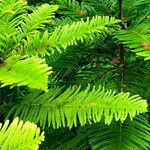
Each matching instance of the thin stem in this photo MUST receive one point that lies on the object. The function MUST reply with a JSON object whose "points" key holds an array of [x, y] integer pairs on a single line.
{"points": [[120, 9], [121, 66], [121, 49]]}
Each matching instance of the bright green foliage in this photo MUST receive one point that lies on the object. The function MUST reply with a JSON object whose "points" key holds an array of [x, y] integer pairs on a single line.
{"points": [[20, 136], [10, 8], [37, 42], [23, 35], [11, 14], [138, 39], [81, 52], [70, 34], [87, 105], [40, 16], [30, 71], [18, 26]]}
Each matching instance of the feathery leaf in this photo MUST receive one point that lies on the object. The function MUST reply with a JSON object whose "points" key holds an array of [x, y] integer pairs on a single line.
{"points": [[20, 136], [89, 105], [32, 72]]}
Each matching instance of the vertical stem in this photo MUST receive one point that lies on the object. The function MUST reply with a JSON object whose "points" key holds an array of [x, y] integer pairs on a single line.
{"points": [[121, 67], [120, 9], [121, 62], [121, 48]]}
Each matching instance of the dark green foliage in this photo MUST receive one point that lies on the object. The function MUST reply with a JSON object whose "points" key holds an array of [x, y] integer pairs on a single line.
{"points": [[116, 136], [72, 63]]}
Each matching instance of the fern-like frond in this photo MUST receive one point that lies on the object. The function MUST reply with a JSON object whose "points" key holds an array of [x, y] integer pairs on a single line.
{"points": [[78, 31], [136, 9], [131, 135], [10, 9], [20, 136], [11, 14], [80, 141], [138, 39], [32, 72], [18, 26], [73, 9], [37, 43], [40, 16], [89, 105], [67, 35], [101, 7]]}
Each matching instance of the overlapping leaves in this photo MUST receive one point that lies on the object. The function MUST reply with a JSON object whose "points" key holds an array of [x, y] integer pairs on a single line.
{"points": [[19, 135], [138, 39], [87, 106], [32, 72]]}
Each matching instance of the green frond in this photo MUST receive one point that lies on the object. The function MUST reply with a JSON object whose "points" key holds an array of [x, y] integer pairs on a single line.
{"points": [[30, 32], [80, 141], [37, 43], [20, 136], [18, 26], [87, 106], [25, 33], [73, 8], [67, 35], [136, 9], [11, 14], [131, 135], [40, 16], [78, 31], [9, 9], [101, 7], [32, 72], [81, 52], [137, 38]]}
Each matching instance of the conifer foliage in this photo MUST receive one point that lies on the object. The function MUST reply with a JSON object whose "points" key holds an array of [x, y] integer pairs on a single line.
{"points": [[78, 69], [19, 135]]}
